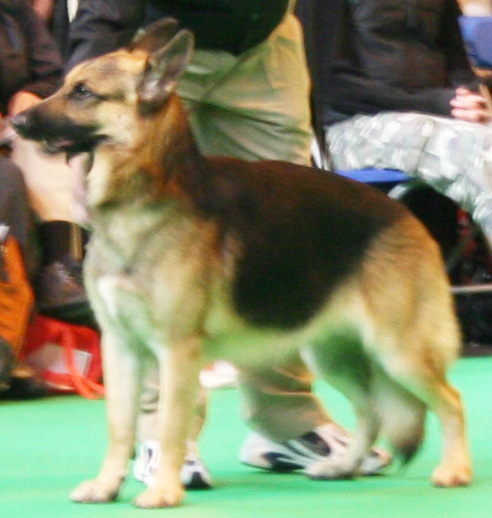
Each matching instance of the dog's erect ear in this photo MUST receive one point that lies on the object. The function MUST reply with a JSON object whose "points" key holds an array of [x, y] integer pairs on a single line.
{"points": [[155, 36], [164, 68]]}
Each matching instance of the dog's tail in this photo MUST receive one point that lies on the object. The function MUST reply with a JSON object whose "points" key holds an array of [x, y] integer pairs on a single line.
{"points": [[402, 417]]}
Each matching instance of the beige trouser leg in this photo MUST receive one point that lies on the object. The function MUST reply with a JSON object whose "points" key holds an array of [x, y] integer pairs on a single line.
{"points": [[255, 106], [279, 403]]}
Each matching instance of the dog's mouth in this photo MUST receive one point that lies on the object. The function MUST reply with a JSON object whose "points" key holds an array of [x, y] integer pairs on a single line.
{"points": [[70, 146], [57, 136]]}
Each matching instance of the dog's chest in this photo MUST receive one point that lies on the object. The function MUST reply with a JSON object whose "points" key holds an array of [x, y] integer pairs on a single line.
{"points": [[123, 288], [148, 284], [125, 302]]}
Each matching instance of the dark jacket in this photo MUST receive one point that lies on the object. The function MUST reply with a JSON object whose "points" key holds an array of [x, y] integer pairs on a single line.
{"points": [[29, 59], [231, 25], [403, 55], [319, 20]]}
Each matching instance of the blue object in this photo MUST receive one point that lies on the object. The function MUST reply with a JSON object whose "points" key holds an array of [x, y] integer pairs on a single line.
{"points": [[375, 175], [477, 34]]}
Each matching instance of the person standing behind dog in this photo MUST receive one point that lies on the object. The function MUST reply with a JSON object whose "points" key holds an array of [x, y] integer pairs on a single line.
{"points": [[401, 94], [247, 94]]}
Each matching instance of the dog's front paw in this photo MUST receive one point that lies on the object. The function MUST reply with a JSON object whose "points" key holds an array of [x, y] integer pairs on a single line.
{"points": [[326, 470], [451, 476], [94, 491], [153, 497]]}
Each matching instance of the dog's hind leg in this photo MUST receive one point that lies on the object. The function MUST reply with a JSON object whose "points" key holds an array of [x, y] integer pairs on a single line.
{"points": [[414, 337], [416, 356], [344, 365], [426, 380], [179, 369], [122, 376], [455, 467]]}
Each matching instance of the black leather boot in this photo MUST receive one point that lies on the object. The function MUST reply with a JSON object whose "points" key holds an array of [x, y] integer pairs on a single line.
{"points": [[58, 286], [18, 381], [24, 383]]}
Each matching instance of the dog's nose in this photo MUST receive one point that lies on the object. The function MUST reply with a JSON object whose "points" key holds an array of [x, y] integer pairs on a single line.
{"points": [[19, 122]]}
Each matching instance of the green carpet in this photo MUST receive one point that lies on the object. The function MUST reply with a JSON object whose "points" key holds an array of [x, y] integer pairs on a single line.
{"points": [[48, 446]]}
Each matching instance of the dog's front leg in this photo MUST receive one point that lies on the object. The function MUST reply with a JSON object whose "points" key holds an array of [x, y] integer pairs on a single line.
{"points": [[122, 380], [179, 367]]}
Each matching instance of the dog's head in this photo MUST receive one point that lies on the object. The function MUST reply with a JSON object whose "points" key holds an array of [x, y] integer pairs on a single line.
{"points": [[104, 99]]}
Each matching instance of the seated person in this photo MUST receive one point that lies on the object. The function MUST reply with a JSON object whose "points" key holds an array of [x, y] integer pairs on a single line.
{"points": [[16, 381], [31, 69], [401, 94]]}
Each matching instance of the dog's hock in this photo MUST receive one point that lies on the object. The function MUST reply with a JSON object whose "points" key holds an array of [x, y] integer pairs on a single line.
{"points": [[164, 68]]}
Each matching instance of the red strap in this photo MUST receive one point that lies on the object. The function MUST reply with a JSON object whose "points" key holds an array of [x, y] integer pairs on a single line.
{"points": [[83, 385]]}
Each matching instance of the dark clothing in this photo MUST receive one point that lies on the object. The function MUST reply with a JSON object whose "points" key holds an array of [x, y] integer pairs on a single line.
{"points": [[29, 59], [403, 55], [15, 211], [319, 20], [60, 25], [230, 25]]}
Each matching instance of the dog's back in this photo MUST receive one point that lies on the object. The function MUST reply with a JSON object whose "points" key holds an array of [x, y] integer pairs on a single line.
{"points": [[303, 232]]}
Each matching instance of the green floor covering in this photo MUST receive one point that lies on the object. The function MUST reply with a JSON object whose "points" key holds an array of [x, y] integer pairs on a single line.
{"points": [[48, 446]]}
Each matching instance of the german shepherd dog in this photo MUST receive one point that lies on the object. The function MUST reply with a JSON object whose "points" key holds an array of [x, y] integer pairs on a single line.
{"points": [[193, 259]]}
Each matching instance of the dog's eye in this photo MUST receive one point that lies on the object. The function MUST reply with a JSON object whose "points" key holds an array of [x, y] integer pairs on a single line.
{"points": [[81, 91]]}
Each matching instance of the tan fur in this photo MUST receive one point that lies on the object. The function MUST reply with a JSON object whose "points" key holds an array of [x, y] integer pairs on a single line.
{"points": [[160, 277]]}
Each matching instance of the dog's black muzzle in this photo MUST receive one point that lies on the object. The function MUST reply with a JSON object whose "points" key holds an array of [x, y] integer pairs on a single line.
{"points": [[56, 135]]}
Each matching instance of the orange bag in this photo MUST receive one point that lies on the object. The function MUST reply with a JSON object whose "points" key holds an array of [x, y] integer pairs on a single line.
{"points": [[66, 356], [16, 296]]}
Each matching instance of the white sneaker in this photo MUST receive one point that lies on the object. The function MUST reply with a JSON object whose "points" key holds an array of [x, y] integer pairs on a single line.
{"points": [[315, 446], [194, 473]]}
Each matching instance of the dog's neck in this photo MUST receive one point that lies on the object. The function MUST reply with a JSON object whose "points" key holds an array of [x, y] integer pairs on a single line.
{"points": [[156, 181], [163, 165]]}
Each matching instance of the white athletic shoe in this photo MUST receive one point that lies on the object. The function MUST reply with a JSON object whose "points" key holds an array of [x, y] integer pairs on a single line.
{"points": [[194, 474], [327, 440]]}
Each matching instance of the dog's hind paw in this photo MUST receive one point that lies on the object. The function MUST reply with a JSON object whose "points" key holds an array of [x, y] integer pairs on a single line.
{"points": [[451, 476], [94, 491], [153, 498]]}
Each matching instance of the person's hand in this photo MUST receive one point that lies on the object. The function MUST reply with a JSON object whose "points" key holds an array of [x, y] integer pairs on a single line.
{"points": [[22, 101], [470, 106]]}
